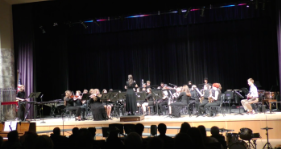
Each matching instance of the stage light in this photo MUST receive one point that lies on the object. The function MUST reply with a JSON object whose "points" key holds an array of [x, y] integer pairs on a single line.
{"points": [[42, 29], [83, 24], [202, 11], [187, 12]]}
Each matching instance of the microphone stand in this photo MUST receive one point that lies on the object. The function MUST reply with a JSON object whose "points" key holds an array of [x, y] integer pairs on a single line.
{"points": [[42, 111]]}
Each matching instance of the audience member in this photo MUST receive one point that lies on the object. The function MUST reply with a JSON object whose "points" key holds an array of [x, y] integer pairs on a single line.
{"points": [[58, 140], [44, 142], [28, 140], [197, 138], [184, 127], [13, 141], [113, 141], [206, 139], [85, 139], [155, 143], [183, 140], [168, 141], [216, 134], [133, 141]]}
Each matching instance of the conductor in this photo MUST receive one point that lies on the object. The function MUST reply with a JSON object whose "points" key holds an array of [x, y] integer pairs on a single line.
{"points": [[131, 103]]}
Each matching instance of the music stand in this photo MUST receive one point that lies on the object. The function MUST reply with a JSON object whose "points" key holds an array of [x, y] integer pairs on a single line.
{"points": [[157, 94], [238, 95], [33, 95], [113, 96], [140, 97]]}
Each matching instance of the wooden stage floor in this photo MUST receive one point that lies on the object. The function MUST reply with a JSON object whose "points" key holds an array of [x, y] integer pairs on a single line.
{"points": [[230, 121]]}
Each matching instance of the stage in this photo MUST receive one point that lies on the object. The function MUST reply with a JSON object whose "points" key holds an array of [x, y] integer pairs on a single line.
{"points": [[229, 121]]}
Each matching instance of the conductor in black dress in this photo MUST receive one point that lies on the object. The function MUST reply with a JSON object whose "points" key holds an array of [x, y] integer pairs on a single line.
{"points": [[131, 103]]}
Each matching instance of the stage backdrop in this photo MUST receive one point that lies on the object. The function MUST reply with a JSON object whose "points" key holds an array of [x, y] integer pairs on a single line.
{"points": [[227, 45]]}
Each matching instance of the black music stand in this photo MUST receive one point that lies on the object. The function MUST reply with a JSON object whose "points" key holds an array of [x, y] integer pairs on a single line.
{"points": [[113, 96], [33, 95], [122, 97], [140, 98], [157, 94], [238, 95]]}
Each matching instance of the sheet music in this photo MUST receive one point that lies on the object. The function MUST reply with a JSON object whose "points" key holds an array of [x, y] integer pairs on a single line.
{"points": [[10, 125]]}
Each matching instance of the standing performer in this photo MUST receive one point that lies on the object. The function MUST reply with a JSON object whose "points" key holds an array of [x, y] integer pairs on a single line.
{"points": [[252, 97], [214, 98], [21, 102], [131, 103], [182, 100], [69, 103]]}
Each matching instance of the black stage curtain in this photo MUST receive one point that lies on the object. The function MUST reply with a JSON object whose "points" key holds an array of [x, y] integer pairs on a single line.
{"points": [[228, 45]]}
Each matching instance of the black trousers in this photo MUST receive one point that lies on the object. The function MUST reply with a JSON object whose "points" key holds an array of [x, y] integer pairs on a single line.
{"points": [[214, 103], [202, 105], [161, 105], [21, 111], [83, 109], [74, 108]]}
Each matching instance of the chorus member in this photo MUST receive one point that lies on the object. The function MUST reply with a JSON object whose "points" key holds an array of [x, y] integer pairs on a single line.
{"points": [[252, 97], [108, 105], [79, 103], [182, 100], [215, 97], [148, 84], [148, 101], [206, 94], [21, 98], [69, 104], [131, 103], [97, 108]]}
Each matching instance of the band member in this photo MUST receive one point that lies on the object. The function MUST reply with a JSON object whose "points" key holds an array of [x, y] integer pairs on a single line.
{"points": [[162, 102], [97, 108], [78, 102], [214, 98], [21, 102], [252, 97], [182, 100], [147, 84], [148, 101], [85, 91], [69, 103], [189, 84], [161, 85], [107, 105], [206, 81], [131, 103], [206, 94], [195, 95]]}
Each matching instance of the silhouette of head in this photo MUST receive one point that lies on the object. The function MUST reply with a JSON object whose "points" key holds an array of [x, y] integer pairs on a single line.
{"points": [[56, 131], [139, 128], [162, 128]]}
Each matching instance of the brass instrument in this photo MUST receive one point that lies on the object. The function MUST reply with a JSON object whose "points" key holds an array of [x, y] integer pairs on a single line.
{"points": [[201, 98]]}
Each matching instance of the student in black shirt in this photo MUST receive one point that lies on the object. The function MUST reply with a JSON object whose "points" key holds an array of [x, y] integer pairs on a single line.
{"points": [[21, 99]]}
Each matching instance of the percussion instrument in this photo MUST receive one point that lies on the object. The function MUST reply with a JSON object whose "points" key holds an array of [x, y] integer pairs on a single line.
{"points": [[231, 138], [239, 145], [246, 133]]}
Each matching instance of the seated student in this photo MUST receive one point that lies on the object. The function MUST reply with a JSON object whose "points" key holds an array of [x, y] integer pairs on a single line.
{"points": [[252, 97]]}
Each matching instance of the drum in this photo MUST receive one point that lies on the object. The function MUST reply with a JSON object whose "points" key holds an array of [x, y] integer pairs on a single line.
{"points": [[246, 134], [269, 95], [239, 145], [231, 138]]}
